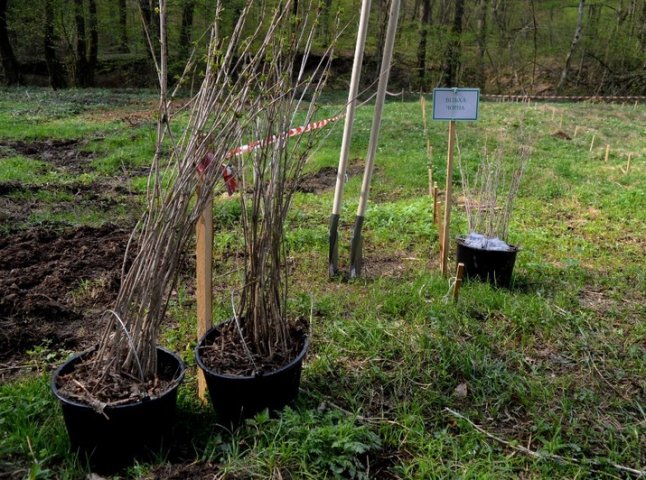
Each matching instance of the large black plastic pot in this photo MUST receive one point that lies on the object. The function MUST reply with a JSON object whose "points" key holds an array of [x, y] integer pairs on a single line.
{"points": [[493, 266], [237, 397], [114, 438]]}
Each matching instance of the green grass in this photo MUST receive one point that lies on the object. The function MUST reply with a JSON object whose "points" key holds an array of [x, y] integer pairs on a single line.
{"points": [[555, 364]]}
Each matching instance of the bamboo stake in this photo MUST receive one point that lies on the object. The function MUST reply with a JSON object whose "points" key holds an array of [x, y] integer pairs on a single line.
{"points": [[607, 152], [458, 281], [576, 130], [628, 163], [203, 259], [447, 198], [594, 136]]}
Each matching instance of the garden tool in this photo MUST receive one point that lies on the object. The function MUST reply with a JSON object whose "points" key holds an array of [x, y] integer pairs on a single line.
{"points": [[356, 244], [333, 257]]}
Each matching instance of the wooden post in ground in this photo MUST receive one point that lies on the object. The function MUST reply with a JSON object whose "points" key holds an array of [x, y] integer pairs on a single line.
{"points": [[430, 170], [607, 152], [458, 281], [435, 206], [448, 192], [594, 135], [203, 259], [630, 156], [576, 130]]}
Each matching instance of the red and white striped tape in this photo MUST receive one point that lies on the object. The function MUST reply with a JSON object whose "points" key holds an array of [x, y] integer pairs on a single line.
{"points": [[251, 146]]}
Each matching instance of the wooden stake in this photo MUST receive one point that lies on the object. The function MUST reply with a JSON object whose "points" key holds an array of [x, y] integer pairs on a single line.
{"points": [[435, 206], [430, 168], [448, 191], [203, 260], [592, 142], [607, 152], [458, 281], [553, 113], [576, 130], [630, 155]]}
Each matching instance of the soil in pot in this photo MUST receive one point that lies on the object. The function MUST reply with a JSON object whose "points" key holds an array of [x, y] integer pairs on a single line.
{"points": [[239, 387], [493, 266], [113, 431]]}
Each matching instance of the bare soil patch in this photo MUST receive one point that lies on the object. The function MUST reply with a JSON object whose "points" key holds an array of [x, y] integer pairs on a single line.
{"points": [[325, 179], [67, 154], [52, 283]]}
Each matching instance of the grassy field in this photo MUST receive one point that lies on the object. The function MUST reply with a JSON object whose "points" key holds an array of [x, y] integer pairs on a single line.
{"points": [[544, 380]]}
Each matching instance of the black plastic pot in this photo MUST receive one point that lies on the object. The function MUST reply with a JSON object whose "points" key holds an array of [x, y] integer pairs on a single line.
{"points": [[237, 397], [109, 441], [493, 266]]}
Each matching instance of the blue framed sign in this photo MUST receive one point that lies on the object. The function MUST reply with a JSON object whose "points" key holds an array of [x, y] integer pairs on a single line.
{"points": [[462, 104]]}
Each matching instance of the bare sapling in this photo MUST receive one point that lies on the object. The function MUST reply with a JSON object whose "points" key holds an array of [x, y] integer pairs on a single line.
{"points": [[263, 332], [228, 103], [491, 193]]}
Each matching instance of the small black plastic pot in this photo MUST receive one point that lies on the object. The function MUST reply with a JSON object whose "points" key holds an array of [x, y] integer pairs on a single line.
{"points": [[111, 440], [493, 266], [235, 398]]}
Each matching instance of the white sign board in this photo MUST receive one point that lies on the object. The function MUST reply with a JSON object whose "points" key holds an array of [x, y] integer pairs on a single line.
{"points": [[456, 103]]}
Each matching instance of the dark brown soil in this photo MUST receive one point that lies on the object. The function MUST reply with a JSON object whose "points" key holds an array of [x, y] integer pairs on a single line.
{"points": [[67, 154], [325, 179], [562, 135], [52, 284], [227, 354], [187, 471]]}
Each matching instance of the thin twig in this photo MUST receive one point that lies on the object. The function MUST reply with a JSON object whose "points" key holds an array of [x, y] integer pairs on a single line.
{"points": [[548, 456]]}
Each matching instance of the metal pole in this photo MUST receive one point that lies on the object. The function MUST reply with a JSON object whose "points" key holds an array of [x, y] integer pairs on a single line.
{"points": [[386, 61], [333, 257]]}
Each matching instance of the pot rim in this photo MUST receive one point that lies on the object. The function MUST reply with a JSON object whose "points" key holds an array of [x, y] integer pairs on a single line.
{"points": [[461, 239], [173, 385], [198, 358]]}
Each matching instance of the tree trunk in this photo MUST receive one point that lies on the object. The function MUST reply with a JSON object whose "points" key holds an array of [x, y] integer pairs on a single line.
{"points": [[123, 27], [81, 67], [185, 30], [424, 26], [482, 43], [9, 62], [94, 44], [56, 77], [452, 67], [575, 40]]}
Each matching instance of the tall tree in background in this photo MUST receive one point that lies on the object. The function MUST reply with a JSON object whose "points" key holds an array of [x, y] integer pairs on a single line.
{"points": [[86, 58], [54, 68], [452, 63], [9, 62], [575, 40], [424, 26], [123, 27], [187, 26], [482, 44]]}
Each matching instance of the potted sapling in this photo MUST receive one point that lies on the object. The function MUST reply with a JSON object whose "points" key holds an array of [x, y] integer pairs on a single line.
{"points": [[119, 397], [488, 200], [253, 360]]}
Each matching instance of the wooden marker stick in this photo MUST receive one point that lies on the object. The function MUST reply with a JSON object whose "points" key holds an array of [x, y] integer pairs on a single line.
{"points": [[592, 142], [607, 152], [203, 260], [630, 155], [430, 169], [448, 191], [435, 208], [458, 281], [576, 130]]}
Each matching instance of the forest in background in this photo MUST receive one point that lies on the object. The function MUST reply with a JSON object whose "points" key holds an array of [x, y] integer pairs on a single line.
{"points": [[590, 47]]}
